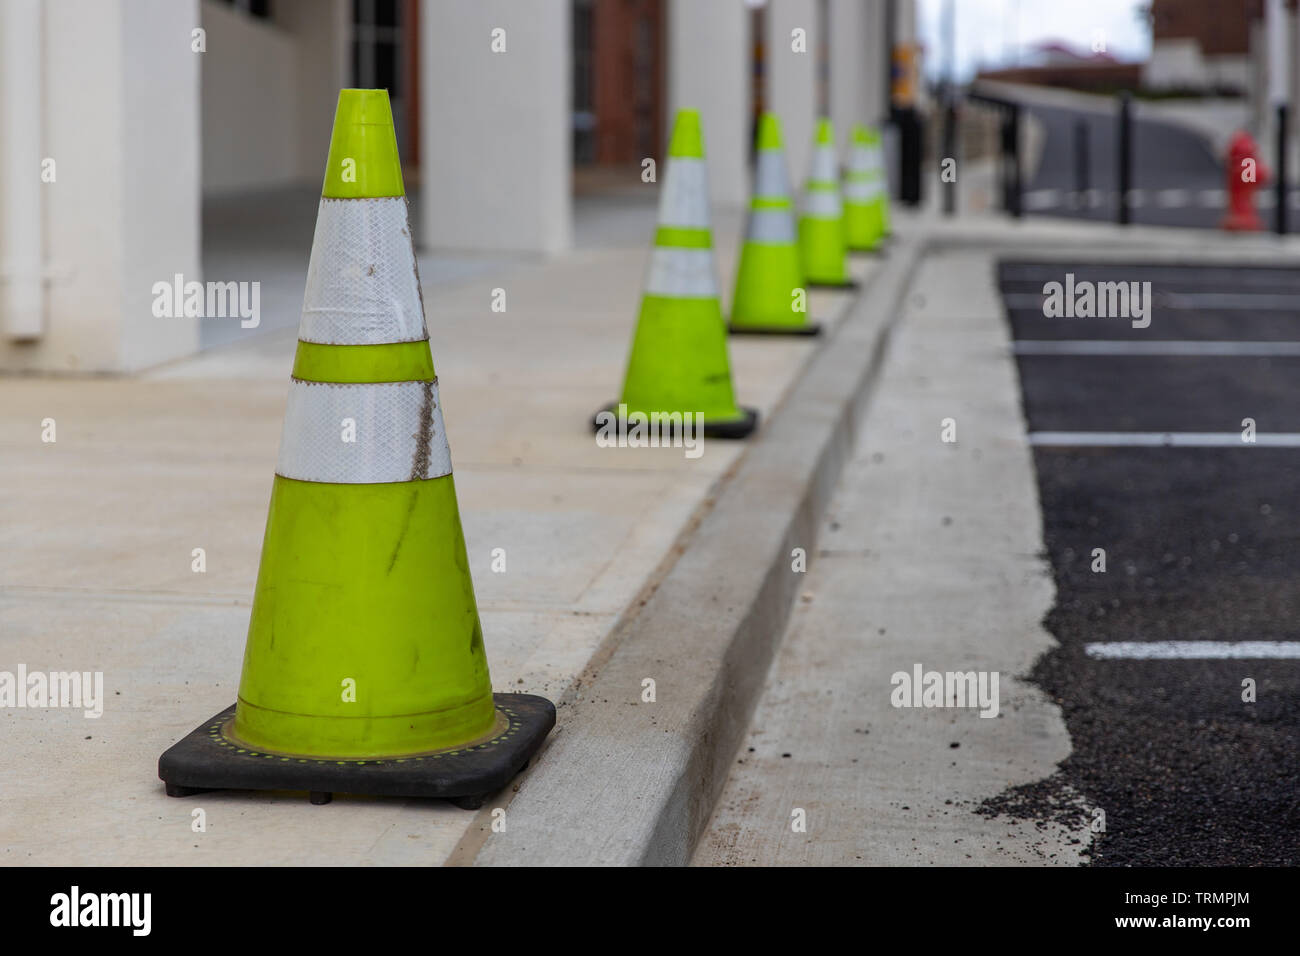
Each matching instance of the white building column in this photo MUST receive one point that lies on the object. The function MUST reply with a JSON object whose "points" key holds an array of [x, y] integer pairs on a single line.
{"points": [[854, 62], [496, 126], [161, 176], [22, 225], [709, 69], [120, 192], [791, 77], [876, 49]]}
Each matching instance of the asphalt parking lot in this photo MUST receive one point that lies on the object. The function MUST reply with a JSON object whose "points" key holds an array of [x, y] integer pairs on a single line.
{"points": [[1141, 451]]}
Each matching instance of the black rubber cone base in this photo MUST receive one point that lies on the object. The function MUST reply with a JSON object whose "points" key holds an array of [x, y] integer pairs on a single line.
{"points": [[812, 328], [736, 428], [848, 285], [209, 759]]}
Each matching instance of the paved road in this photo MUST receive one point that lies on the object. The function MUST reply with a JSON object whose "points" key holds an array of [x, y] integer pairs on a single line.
{"points": [[1177, 180], [1201, 546]]}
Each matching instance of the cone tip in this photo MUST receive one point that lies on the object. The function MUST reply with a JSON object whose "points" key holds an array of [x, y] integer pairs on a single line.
{"points": [[825, 132], [363, 159], [769, 131], [688, 140], [368, 107]]}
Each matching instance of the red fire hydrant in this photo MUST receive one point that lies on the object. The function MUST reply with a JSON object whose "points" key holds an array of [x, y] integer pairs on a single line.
{"points": [[1245, 175]]}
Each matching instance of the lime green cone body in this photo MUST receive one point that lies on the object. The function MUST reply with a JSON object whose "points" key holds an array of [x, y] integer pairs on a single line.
{"points": [[678, 363], [821, 224], [364, 638], [769, 295], [864, 224], [329, 609], [876, 153]]}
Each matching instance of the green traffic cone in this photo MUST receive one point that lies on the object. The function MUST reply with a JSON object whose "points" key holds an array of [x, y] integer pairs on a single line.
{"points": [[364, 669], [769, 295], [678, 363]]}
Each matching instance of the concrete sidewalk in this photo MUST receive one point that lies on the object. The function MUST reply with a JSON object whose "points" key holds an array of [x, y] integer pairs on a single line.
{"points": [[927, 554], [97, 532]]}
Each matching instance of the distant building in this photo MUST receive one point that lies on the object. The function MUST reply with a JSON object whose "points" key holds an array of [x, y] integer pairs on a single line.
{"points": [[1059, 64], [1059, 53], [1204, 45]]}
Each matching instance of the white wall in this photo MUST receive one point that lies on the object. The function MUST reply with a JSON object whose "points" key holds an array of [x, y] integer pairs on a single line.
{"points": [[120, 120], [709, 64], [82, 208], [1229, 70], [853, 62], [269, 91], [496, 131], [250, 103], [1174, 63], [320, 30], [877, 92], [791, 78], [160, 179]]}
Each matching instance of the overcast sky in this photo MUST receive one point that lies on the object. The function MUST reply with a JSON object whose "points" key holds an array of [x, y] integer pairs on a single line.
{"points": [[989, 31]]}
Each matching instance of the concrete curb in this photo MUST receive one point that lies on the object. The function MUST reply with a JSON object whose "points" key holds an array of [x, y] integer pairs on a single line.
{"points": [[624, 782], [1108, 242]]}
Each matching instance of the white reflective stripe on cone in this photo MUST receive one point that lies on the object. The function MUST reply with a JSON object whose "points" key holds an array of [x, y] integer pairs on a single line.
{"points": [[822, 203], [681, 273], [860, 160], [684, 203], [861, 190], [771, 179], [771, 225], [823, 164], [361, 283], [397, 427]]}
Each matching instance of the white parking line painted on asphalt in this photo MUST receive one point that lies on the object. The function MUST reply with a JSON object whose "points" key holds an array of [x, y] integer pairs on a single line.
{"points": [[1037, 199], [1235, 301], [1162, 440], [1191, 301], [1150, 347], [1192, 650], [1042, 198]]}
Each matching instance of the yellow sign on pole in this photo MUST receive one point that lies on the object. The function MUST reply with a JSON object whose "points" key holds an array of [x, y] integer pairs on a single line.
{"points": [[906, 62]]}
